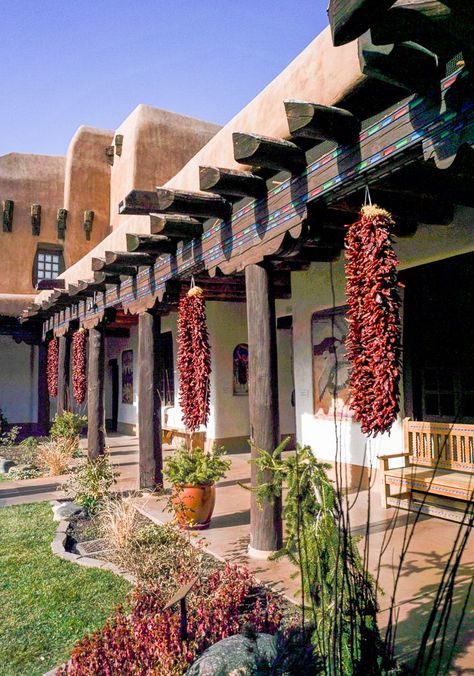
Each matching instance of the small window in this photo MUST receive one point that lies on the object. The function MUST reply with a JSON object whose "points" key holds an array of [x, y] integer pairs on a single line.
{"points": [[48, 263], [167, 369]]}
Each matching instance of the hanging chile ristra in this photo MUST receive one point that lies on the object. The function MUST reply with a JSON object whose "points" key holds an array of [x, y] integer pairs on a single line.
{"points": [[52, 370], [193, 359], [374, 337], [79, 366]]}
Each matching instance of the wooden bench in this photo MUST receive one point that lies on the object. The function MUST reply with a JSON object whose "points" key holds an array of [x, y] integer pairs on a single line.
{"points": [[175, 436], [436, 476]]}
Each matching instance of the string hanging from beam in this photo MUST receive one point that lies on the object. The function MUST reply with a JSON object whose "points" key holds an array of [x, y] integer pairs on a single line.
{"points": [[193, 359], [374, 337]]}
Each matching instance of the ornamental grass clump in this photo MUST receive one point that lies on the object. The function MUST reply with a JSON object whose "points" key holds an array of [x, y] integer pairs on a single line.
{"points": [[55, 455], [145, 639]]}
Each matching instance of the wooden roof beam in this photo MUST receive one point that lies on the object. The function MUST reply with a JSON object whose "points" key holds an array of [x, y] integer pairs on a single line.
{"points": [[405, 65], [153, 245], [176, 226], [427, 23], [321, 123], [351, 18], [139, 203], [100, 265], [194, 204], [107, 278], [231, 184], [268, 153], [116, 258]]}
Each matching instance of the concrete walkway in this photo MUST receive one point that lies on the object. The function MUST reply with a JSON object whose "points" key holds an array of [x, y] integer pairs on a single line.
{"points": [[124, 455]]}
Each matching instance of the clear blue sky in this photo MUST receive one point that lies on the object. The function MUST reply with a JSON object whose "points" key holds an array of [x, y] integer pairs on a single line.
{"points": [[69, 62]]}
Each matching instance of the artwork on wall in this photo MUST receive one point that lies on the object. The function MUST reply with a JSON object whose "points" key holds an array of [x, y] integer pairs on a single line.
{"points": [[241, 370], [127, 377], [330, 365]]}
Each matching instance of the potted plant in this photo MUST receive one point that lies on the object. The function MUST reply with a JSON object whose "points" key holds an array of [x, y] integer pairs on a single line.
{"points": [[193, 474]]}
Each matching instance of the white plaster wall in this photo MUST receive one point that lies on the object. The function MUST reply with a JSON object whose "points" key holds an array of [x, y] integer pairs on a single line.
{"points": [[18, 380], [227, 323], [127, 413], [312, 291]]}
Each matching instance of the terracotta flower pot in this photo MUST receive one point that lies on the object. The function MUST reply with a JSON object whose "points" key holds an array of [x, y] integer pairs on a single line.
{"points": [[193, 505]]}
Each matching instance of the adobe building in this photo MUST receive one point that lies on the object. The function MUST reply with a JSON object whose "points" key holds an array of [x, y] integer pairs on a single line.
{"points": [[376, 107]]}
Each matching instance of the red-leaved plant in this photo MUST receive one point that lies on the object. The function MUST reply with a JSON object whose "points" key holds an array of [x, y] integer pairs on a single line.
{"points": [[146, 640]]}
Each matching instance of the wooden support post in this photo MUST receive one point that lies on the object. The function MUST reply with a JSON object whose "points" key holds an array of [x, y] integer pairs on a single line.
{"points": [[63, 374], [149, 401], [43, 396], [265, 524], [95, 393]]}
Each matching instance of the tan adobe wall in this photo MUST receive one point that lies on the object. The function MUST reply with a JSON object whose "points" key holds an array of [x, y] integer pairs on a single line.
{"points": [[87, 187], [28, 179], [156, 144]]}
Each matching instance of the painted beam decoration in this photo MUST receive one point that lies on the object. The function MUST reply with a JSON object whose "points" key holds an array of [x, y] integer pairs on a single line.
{"points": [[418, 128]]}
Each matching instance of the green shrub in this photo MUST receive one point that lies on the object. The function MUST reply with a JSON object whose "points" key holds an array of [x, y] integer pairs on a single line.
{"points": [[68, 425], [25, 472], [7, 439], [90, 483], [196, 467]]}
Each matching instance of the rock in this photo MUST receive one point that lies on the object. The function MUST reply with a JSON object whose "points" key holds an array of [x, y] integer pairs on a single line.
{"points": [[5, 465], [66, 510], [235, 655]]}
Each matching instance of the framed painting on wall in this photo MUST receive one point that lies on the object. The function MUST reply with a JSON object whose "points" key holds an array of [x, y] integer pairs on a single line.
{"points": [[330, 365], [127, 377], [241, 370]]}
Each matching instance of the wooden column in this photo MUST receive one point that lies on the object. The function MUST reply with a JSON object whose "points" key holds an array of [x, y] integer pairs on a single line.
{"points": [[43, 394], [265, 524], [95, 393], [149, 401], [63, 374]]}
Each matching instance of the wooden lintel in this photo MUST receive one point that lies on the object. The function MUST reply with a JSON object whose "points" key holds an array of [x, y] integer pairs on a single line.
{"points": [[321, 123], [139, 203], [405, 65], [231, 184], [151, 244], [192, 203], [350, 18], [268, 153], [128, 258], [175, 226]]}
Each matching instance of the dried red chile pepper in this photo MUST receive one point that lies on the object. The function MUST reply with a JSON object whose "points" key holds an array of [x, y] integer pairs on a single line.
{"points": [[79, 366], [52, 367], [193, 359], [374, 337]]}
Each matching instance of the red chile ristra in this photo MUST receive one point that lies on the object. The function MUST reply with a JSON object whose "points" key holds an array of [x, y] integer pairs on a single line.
{"points": [[52, 370], [193, 359], [374, 336], [79, 366]]}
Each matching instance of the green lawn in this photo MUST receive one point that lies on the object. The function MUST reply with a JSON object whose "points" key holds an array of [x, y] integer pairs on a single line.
{"points": [[46, 603]]}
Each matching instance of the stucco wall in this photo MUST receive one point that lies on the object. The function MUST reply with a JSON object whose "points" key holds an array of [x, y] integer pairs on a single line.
{"points": [[311, 292], [18, 381], [28, 179]]}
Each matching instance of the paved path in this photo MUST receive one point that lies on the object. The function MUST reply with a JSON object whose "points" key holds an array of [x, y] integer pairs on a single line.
{"points": [[124, 454]]}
